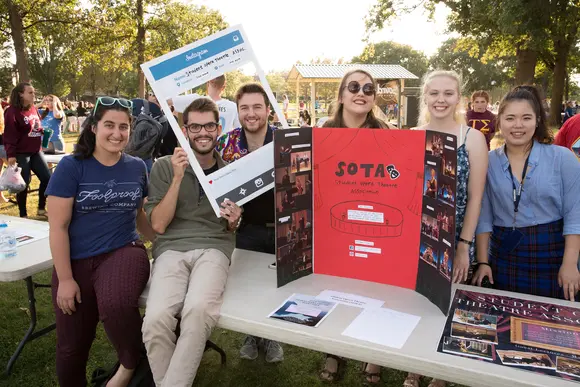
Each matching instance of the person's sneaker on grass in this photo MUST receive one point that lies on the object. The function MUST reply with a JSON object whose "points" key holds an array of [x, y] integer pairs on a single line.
{"points": [[274, 351], [249, 350]]}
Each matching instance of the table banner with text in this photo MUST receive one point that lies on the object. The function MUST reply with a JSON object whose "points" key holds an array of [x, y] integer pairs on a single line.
{"points": [[514, 332], [374, 205], [193, 65]]}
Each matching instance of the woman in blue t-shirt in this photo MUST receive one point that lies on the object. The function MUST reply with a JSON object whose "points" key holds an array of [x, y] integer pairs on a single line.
{"points": [[52, 115], [100, 265]]}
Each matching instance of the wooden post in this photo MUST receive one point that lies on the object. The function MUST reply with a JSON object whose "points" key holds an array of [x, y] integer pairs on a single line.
{"points": [[400, 85], [312, 102], [298, 95]]}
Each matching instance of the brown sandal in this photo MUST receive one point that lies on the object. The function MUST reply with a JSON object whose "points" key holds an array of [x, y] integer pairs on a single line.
{"points": [[330, 377], [368, 377], [412, 380], [437, 383]]}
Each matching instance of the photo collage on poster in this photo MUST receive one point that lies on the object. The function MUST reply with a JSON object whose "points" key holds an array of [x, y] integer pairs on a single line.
{"points": [[437, 247], [514, 332], [293, 189]]}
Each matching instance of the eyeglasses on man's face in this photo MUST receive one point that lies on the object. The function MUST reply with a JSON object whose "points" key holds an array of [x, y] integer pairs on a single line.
{"points": [[196, 128]]}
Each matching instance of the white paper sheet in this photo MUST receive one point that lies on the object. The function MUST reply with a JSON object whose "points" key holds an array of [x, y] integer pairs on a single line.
{"points": [[350, 299], [382, 326]]}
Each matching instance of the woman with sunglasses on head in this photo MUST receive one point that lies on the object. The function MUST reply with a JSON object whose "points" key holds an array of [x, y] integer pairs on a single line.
{"points": [[52, 114], [100, 265], [439, 111], [354, 109], [23, 140], [529, 228]]}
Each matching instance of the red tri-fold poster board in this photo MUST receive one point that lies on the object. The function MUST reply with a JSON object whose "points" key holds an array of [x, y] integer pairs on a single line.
{"points": [[367, 204]]}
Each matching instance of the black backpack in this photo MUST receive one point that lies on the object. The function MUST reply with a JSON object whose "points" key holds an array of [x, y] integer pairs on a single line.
{"points": [[146, 134]]}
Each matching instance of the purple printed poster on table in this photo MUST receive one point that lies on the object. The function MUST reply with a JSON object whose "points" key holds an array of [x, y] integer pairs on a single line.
{"points": [[514, 332]]}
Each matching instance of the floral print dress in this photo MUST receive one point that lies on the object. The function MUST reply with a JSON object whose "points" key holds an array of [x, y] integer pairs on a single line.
{"points": [[462, 183]]}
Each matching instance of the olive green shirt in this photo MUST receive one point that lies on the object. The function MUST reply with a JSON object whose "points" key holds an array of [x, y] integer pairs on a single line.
{"points": [[195, 224]]}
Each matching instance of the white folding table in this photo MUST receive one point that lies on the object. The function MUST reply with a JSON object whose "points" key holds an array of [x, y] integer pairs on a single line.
{"points": [[32, 258], [251, 294]]}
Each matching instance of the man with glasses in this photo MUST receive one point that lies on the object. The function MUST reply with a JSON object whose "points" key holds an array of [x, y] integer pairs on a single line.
{"points": [[192, 252], [257, 232], [214, 88]]}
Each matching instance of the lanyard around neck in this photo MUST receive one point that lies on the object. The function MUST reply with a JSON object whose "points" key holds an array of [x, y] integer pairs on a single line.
{"points": [[517, 192]]}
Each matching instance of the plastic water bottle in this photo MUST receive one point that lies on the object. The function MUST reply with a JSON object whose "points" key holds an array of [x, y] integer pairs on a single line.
{"points": [[8, 244]]}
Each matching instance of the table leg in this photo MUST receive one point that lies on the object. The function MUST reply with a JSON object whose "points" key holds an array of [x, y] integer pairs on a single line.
{"points": [[30, 334]]}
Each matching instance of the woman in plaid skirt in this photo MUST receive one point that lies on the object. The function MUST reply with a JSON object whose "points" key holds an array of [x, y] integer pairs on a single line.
{"points": [[528, 236]]}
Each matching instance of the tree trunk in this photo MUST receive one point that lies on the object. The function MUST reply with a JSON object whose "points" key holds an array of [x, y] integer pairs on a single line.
{"points": [[525, 66], [567, 93], [562, 49], [140, 47], [94, 82], [545, 83], [17, 32]]}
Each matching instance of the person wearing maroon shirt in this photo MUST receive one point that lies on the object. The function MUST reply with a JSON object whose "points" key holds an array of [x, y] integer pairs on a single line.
{"points": [[480, 118], [22, 140], [569, 135]]}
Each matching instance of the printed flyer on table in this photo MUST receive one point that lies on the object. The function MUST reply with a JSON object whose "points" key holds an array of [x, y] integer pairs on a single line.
{"points": [[514, 332]]}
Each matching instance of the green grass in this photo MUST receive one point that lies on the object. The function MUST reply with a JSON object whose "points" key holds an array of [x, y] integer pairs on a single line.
{"points": [[36, 365]]}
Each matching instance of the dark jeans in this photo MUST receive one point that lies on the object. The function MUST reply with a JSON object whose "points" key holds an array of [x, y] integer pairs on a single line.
{"points": [[110, 286], [36, 163], [256, 238]]}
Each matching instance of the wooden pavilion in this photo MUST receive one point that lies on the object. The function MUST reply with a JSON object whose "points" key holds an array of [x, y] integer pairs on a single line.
{"points": [[384, 74]]}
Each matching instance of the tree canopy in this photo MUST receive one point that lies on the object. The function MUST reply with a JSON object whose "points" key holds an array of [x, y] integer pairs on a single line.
{"points": [[529, 30], [96, 46], [395, 53]]}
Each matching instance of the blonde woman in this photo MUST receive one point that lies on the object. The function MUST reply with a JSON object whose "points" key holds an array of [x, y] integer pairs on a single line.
{"points": [[440, 111]]}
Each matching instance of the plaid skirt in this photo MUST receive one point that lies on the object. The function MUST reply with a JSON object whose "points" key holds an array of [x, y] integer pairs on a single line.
{"points": [[533, 266]]}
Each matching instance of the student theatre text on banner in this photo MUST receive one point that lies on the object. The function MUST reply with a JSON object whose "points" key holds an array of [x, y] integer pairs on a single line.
{"points": [[193, 65], [514, 332], [371, 216]]}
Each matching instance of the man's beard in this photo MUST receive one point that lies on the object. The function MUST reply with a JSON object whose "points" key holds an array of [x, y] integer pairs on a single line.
{"points": [[260, 128], [202, 151]]}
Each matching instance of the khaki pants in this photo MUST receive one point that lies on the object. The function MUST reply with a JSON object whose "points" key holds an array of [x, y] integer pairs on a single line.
{"points": [[190, 286]]}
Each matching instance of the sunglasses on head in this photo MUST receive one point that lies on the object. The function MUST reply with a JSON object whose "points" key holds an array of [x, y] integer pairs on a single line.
{"points": [[110, 101], [367, 89]]}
